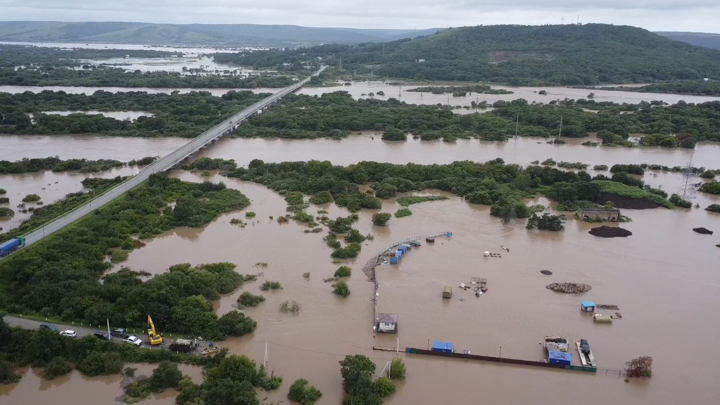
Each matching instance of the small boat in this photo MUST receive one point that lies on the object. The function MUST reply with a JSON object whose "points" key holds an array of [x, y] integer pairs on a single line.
{"points": [[429, 240]]}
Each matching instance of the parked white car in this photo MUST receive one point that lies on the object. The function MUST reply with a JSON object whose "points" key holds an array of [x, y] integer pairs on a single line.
{"points": [[68, 333], [133, 340]]}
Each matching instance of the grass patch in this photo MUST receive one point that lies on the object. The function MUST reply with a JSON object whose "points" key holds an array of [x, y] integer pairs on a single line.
{"points": [[626, 191]]}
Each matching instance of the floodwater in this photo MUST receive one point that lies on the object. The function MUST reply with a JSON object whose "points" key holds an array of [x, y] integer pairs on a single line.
{"points": [[50, 186], [664, 279], [357, 148], [92, 90], [187, 51], [400, 92], [179, 65], [75, 388]]}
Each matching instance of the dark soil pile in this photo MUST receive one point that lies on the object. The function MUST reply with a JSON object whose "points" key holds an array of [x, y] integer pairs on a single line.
{"points": [[546, 272], [703, 231], [624, 202], [610, 232]]}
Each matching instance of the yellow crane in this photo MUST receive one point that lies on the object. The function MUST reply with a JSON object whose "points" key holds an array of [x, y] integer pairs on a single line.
{"points": [[154, 337]]}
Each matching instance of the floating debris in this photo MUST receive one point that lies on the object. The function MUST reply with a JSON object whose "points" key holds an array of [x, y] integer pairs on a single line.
{"points": [[618, 315], [608, 307], [703, 231], [610, 232], [489, 254], [569, 288], [546, 272]]}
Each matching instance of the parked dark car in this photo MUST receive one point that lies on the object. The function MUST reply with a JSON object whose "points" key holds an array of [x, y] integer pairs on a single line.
{"points": [[584, 346], [120, 333], [49, 326], [101, 335]]}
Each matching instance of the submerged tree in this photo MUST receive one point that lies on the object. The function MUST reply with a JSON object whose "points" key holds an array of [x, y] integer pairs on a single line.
{"points": [[639, 367]]}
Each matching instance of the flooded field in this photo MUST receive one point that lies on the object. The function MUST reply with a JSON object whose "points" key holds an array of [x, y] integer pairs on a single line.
{"points": [[531, 94], [641, 274], [91, 90], [76, 388]]}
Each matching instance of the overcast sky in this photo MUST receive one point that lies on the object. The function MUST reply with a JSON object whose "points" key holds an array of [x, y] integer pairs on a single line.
{"points": [[656, 15]]}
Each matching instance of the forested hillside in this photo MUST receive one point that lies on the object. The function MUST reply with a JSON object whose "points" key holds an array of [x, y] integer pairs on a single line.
{"points": [[519, 55]]}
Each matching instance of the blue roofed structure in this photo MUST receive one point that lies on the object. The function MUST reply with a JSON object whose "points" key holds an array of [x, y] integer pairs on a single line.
{"points": [[587, 306], [445, 347]]}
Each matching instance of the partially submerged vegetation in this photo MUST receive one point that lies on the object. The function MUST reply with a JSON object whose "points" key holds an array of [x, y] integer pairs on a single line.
{"points": [[410, 200], [460, 90], [248, 299], [184, 115], [341, 288], [403, 212], [61, 276], [56, 164], [337, 115]]}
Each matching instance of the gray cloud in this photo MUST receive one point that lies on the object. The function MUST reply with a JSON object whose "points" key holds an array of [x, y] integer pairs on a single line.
{"points": [[665, 15]]}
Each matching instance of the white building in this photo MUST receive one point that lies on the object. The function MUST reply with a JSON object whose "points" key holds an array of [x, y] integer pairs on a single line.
{"points": [[387, 323]]}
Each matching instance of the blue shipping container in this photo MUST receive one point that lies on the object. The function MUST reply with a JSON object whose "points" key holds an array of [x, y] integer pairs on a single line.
{"points": [[403, 248], [559, 358], [445, 347], [7, 247], [393, 260]]}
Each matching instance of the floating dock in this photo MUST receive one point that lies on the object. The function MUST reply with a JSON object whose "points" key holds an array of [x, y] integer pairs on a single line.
{"points": [[586, 360], [468, 356]]}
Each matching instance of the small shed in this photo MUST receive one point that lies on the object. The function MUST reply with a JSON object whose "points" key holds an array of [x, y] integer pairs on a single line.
{"points": [[387, 323], [599, 214], [447, 292], [444, 347], [587, 306], [559, 358]]}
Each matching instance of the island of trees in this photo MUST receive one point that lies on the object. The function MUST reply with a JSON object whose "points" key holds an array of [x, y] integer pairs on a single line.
{"points": [[336, 115]]}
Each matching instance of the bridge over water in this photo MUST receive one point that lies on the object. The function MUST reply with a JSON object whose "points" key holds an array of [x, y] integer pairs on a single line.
{"points": [[166, 162]]}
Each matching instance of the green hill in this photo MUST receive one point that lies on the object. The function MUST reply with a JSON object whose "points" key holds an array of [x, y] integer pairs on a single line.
{"points": [[694, 38], [532, 55], [193, 34]]}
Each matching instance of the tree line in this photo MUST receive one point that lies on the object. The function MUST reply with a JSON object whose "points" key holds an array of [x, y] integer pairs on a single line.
{"points": [[336, 115], [63, 276], [184, 115]]}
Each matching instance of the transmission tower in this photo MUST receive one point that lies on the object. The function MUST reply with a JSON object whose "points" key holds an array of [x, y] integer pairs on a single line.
{"points": [[688, 172]]}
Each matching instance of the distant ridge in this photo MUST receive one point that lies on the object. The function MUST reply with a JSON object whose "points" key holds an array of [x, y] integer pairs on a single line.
{"points": [[694, 38], [195, 34]]}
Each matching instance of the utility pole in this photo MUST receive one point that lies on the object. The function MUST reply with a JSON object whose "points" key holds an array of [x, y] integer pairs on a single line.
{"points": [[265, 360], [517, 123], [687, 173]]}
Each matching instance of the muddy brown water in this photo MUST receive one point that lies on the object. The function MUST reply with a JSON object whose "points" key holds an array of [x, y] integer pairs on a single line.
{"points": [[664, 278]]}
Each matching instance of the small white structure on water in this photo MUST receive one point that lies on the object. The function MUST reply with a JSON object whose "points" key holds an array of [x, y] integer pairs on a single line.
{"points": [[387, 323]]}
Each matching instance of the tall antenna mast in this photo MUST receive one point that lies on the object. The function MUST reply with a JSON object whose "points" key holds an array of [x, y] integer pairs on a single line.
{"points": [[562, 20]]}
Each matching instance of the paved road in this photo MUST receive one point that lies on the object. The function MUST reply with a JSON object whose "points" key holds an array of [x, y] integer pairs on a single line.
{"points": [[162, 164], [81, 331]]}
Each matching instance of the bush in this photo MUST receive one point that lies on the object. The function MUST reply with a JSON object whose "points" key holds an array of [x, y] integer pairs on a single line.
{"points": [[630, 169], [712, 187], [341, 224], [3, 191], [235, 323], [322, 197], [343, 271], [403, 212], [270, 285], [249, 214], [397, 369], [31, 198], [679, 201], [247, 299], [304, 393], [410, 200], [166, 375], [350, 251], [7, 373], [101, 363], [354, 236], [6, 212], [381, 219], [600, 168], [57, 367], [4, 200], [385, 191], [290, 307], [546, 222], [393, 134], [384, 387], [639, 367], [713, 208], [549, 162], [341, 288]]}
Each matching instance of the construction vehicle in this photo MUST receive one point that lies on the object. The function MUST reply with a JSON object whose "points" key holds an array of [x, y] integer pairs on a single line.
{"points": [[153, 337]]}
